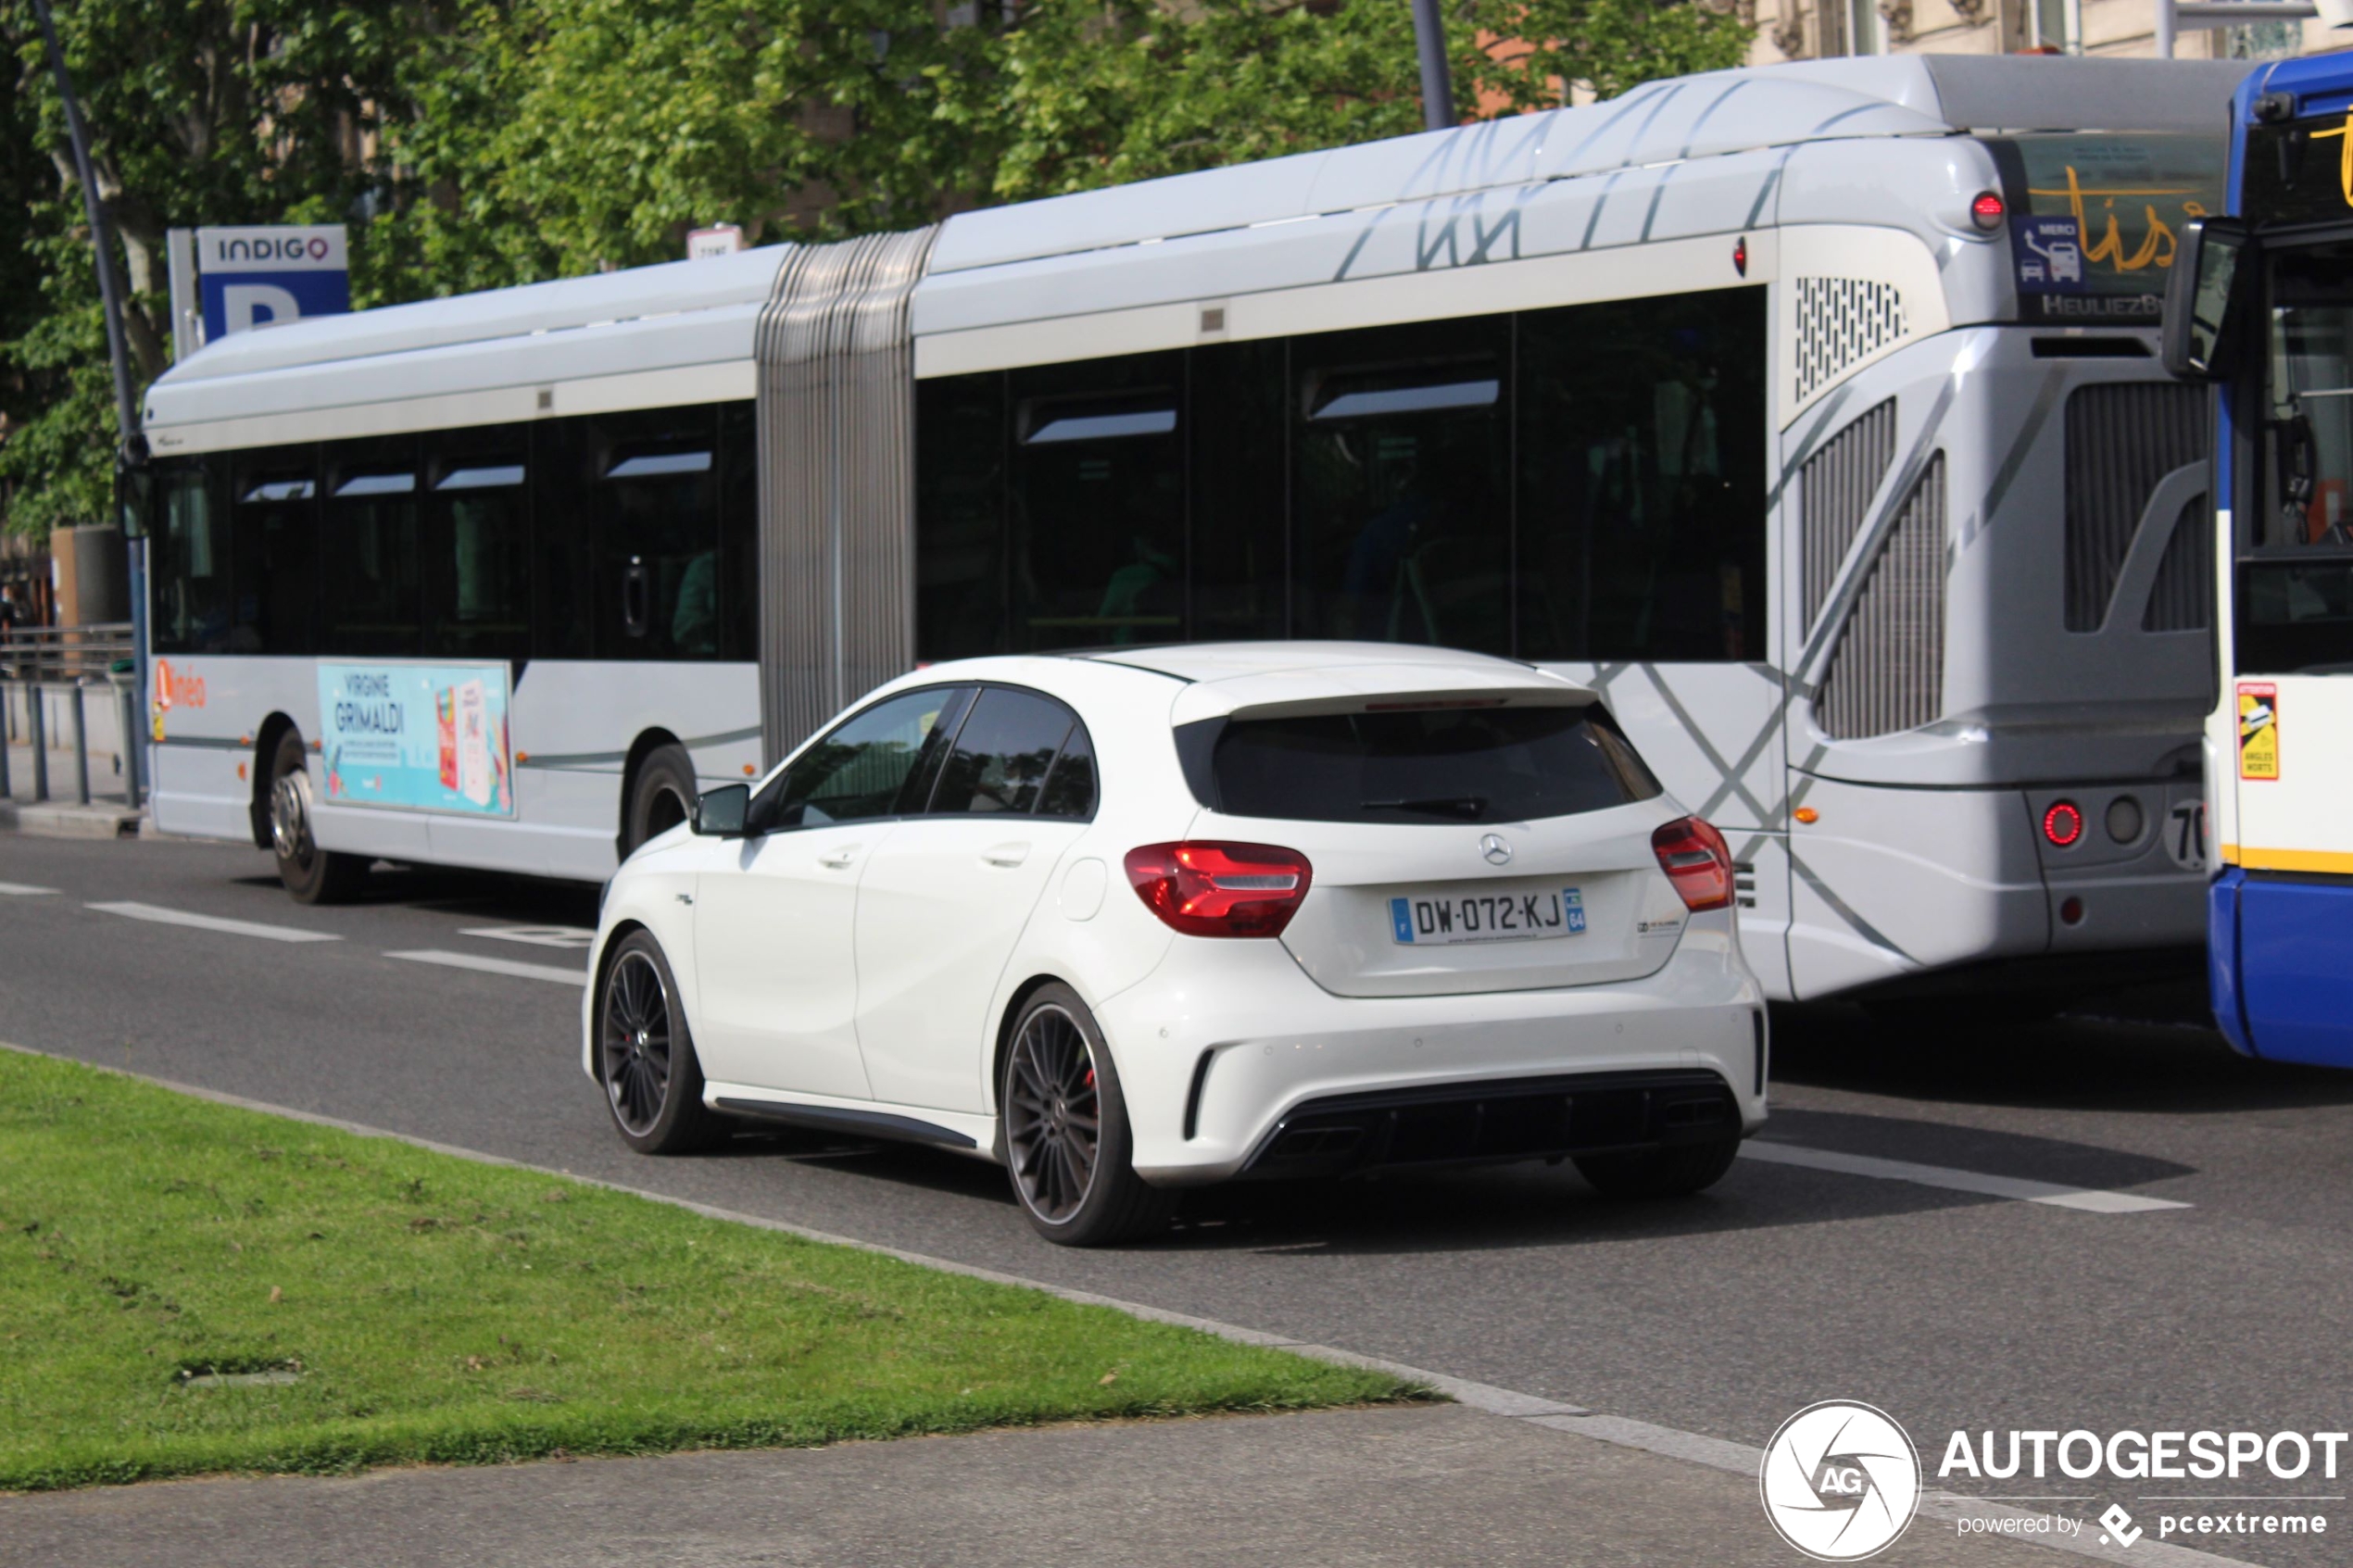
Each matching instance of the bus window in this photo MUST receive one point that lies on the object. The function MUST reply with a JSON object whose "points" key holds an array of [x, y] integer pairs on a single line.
{"points": [[274, 529], [188, 559], [738, 533], [960, 516], [1402, 485], [1237, 488], [1097, 504], [369, 550], [1642, 494], [478, 533], [2295, 590], [655, 522]]}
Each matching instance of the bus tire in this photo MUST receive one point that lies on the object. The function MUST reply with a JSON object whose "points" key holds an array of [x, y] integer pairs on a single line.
{"points": [[661, 796], [313, 875]]}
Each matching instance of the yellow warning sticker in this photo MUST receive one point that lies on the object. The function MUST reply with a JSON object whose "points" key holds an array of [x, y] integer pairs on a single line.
{"points": [[2258, 730]]}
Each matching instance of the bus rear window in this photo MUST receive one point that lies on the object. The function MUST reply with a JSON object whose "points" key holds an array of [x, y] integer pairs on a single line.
{"points": [[2094, 218], [1426, 766]]}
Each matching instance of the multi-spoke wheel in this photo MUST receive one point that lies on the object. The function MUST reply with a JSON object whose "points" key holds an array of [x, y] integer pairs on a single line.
{"points": [[1068, 1146], [645, 1055]]}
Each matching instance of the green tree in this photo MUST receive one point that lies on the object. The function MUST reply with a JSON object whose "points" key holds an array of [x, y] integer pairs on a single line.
{"points": [[471, 143], [200, 111]]}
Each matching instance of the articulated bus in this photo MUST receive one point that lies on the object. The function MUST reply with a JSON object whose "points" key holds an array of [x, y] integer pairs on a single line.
{"points": [[1811, 414], [2264, 307]]}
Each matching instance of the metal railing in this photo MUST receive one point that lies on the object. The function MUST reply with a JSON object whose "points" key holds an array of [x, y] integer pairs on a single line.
{"points": [[78, 659]]}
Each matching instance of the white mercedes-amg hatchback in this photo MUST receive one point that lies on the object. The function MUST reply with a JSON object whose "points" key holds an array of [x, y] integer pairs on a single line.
{"points": [[1130, 920]]}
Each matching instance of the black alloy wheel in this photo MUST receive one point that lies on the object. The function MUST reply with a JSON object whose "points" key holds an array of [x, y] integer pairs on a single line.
{"points": [[1066, 1142], [1054, 1115], [646, 1055]]}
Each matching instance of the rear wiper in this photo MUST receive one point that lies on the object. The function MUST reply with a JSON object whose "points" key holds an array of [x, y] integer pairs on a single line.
{"points": [[1437, 805]]}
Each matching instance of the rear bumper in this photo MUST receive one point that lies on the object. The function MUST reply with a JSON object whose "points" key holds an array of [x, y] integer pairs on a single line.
{"points": [[2276, 956], [1898, 883], [1227, 1040], [1503, 1119]]}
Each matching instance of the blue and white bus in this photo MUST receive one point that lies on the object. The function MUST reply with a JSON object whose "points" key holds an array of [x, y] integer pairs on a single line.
{"points": [[2263, 306], [1811, 414]]}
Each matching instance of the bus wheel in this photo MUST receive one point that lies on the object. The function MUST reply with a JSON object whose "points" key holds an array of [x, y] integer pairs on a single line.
{"points": [[313, 875], [662, 797]]}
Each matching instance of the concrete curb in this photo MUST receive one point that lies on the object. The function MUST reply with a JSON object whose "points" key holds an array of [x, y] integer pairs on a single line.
{"points": [[51, 819]]}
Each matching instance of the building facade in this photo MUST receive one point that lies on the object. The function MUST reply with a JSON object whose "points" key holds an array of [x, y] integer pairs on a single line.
{"points": [[1804, 29]]}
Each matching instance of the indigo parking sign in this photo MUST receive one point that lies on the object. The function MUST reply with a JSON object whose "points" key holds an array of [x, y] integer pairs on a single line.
{"points": [[258, 277]]}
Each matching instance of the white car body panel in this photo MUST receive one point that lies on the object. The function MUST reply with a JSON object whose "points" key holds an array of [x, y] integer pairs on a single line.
{"points": [[936, 979]]}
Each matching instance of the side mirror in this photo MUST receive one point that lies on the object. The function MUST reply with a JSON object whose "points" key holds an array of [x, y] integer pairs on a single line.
{"points": [[2202, 304], [720, 813]]}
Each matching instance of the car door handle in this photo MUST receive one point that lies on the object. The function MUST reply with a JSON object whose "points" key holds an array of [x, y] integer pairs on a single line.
{"points": [[1006, 854], [838, 859]]}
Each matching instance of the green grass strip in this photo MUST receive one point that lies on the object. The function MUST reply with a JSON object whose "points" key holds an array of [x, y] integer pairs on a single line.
{"points": [[433, 1309]]}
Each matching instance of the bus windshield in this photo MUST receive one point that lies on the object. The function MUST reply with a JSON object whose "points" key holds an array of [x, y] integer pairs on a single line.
{"points": [[2296, 580], [2096, 217]]}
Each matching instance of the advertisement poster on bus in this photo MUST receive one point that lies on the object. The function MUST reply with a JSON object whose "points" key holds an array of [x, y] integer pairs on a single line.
{"points": [[420, 737]]}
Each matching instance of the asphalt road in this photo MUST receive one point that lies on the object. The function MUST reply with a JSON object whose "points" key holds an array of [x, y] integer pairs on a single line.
{"points": [[1722, 1315]]}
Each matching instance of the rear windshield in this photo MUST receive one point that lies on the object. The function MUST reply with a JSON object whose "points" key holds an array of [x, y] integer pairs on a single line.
{"points": [[1425, 765]]}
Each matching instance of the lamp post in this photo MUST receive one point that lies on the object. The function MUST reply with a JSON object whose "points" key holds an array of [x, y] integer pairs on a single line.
{"points": [[1437, 87], [131, 448]]}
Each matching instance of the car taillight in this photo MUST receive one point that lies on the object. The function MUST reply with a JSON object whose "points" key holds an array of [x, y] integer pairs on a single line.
{"points": [[1696, 859], [2063, 824], [1206, 889]]}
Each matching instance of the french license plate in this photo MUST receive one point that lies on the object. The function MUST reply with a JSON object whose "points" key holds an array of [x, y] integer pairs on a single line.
{"points": [[1444, 920]]}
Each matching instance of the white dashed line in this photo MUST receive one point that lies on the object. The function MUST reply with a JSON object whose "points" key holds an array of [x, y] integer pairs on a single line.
{"points": [[162, 916], [498, 966], [2089, 1199], [19, 890], [578, 937]]}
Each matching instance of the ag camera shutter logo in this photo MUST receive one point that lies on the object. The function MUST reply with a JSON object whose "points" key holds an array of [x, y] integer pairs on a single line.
{"points": [[1840, 1481]]}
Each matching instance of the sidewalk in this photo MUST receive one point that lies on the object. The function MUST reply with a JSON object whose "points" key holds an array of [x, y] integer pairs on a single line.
{"points": [[106, 816], [1415, 1487]]}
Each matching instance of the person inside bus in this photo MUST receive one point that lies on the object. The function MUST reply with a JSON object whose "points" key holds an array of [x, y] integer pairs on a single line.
{"points": [[694, 624], [1134, 596]]}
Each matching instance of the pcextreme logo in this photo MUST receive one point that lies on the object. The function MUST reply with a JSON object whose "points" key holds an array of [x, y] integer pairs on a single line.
{"points": [[1840, 1481]]}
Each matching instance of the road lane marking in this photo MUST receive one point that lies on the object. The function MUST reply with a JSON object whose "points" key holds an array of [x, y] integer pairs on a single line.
{"points": [[2091, 1200], [578, 937], [19, 890], [1536, 1409], [496, 966], [162, 916]]}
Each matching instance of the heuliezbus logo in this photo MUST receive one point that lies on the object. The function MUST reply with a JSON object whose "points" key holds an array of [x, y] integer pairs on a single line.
{"points": [[1840, 1481]]}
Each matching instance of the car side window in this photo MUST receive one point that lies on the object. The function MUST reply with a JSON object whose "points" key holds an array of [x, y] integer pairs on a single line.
{"points": [[1070, 788], [1005, 753], [877, 763]]}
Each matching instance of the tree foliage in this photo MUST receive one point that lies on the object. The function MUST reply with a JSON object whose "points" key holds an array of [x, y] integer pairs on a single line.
{"points": [[471, 143]]}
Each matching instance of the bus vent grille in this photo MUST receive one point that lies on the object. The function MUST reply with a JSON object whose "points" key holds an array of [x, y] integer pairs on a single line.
{"points": [[1841, 322], [1888, 674], [2122, 438], [2182, 599], [1834, 496]]}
